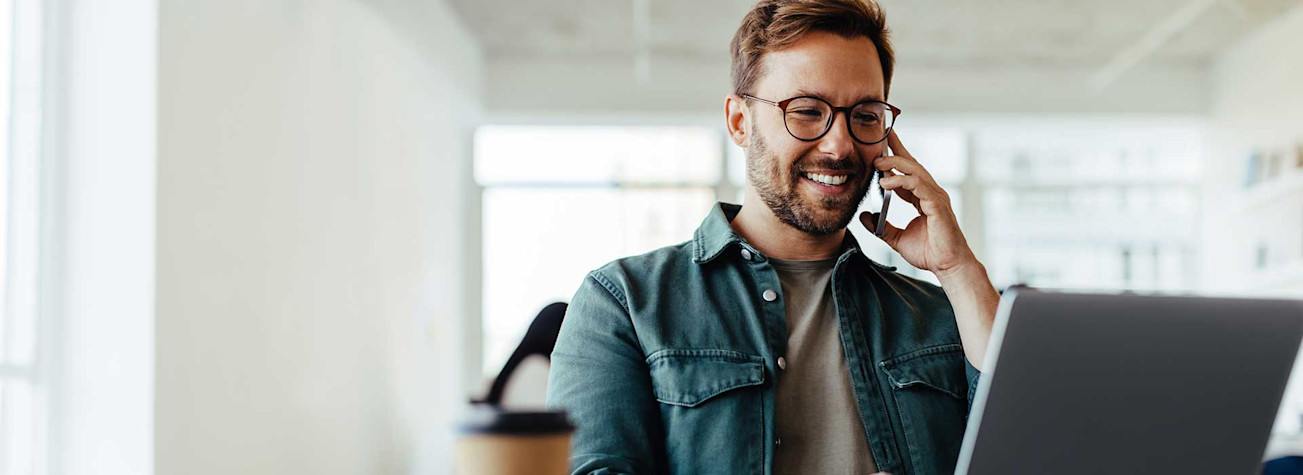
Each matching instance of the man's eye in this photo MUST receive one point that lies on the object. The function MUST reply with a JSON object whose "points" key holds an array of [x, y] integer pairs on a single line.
{"points": [[804, 113], [869, 118]]}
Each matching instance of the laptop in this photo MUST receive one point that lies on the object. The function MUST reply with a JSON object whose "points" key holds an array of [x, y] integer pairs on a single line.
{"points": [[1096, 384]]}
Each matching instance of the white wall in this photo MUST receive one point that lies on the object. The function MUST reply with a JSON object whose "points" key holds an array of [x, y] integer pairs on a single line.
{"points": [[1257, 104], [312, 157]]}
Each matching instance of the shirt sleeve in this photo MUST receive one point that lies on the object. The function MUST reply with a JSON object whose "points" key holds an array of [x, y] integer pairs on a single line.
{"points": [[973, 375], [599, 376]]}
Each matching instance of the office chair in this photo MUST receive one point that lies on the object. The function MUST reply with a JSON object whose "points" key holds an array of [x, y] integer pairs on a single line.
{"points": [[539, 341]]}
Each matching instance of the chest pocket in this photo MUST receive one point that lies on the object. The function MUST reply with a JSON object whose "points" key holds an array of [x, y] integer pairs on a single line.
{"points": [[711, 404], [940, 368], [931, 394], [690, 378]]}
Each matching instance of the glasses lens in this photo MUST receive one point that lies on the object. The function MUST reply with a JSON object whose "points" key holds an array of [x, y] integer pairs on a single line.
{"points": [[870, 121], [807, 118]]}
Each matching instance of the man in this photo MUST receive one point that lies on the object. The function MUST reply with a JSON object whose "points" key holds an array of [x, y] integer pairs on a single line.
{"points": [[768, 343]]}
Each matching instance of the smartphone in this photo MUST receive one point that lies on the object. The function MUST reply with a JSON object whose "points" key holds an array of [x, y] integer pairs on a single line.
{"points": [[881, 225]]}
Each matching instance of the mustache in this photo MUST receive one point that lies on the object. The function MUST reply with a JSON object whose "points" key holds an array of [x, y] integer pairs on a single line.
{"points": [[852, 166]]}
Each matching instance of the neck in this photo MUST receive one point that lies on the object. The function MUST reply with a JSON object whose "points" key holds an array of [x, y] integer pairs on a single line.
{"points": [[756, 223]]}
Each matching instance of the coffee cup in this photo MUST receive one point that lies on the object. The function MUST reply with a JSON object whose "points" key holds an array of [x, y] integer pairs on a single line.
{"points": [[497, 441]]}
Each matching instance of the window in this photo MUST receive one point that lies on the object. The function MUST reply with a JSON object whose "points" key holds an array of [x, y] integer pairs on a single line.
{"points": [[561, 201], [24, 377], [1091, 206]]}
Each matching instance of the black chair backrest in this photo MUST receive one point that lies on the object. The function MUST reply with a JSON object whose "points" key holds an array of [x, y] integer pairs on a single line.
{"points": [[539, 340]]}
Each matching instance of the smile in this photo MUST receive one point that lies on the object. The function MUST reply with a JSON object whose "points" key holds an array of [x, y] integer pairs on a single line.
{"points": [[830, 180]]}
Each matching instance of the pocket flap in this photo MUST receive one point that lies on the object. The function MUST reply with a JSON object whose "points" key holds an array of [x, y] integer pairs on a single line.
{"points": [[938, 367], [691, 377]]}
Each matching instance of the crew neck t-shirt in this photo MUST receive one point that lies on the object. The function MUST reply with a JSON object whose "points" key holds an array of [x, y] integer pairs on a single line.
{"points": [[818, 423]]}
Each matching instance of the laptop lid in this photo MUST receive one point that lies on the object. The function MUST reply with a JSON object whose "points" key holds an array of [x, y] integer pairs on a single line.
{"points": [[1117, 384]]}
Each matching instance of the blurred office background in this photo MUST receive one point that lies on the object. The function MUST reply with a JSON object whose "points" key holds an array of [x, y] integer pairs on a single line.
{"points": [[295, 236]]}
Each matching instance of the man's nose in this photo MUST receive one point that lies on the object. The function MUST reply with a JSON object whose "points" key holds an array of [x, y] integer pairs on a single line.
{"points": [[838, 141]]}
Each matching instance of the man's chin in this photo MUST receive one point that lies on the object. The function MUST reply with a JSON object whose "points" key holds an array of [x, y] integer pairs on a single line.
{"points": [[832, 209], [821, 221]]}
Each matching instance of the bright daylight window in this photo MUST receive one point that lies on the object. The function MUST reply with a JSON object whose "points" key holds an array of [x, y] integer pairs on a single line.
{"points": [[561, 201], [1090, 205], [23, 374]]}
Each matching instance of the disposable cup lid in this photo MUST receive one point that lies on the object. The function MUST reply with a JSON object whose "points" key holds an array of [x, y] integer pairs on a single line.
{"points": [[490, 420]]}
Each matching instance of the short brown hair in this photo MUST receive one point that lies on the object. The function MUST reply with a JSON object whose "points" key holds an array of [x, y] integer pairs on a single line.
{"points": [[775, 24]]}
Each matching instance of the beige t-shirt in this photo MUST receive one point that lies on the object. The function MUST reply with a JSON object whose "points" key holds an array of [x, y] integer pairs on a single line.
{"points": [[818, 424]]}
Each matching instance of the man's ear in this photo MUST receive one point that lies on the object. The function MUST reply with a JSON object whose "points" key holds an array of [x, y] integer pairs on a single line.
{"points": [[737, 118]]}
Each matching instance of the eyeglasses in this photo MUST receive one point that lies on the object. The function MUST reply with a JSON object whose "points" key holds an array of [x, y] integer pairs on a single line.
{"points": [[809, 118]]}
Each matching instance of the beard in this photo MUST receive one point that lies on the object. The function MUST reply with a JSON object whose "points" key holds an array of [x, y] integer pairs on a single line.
{"points": [[780, 190]]}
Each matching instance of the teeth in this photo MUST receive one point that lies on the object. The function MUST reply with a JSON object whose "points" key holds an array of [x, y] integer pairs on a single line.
{"points": [[827, 179]]}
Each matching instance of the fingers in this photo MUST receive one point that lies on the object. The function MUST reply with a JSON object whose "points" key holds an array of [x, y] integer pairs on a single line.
{"points": [[923, 189], [907, 195], [917, 187], [906, 165], [930, 200], [904, 194]]}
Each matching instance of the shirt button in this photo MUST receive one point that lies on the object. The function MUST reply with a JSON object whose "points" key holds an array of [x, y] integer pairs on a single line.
{"points": [[746, 255], [778, 442], [770, 295], [782, 363]]}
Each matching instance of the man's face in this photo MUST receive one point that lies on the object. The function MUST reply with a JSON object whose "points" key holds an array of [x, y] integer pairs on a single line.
{"points": [[790, 175]]}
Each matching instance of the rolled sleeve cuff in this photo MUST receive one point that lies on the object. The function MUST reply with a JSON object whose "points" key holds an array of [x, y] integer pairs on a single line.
{"points": [[973, 375]]}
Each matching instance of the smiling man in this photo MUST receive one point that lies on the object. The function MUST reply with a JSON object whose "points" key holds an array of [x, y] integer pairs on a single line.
{"points": [[768, 343]]}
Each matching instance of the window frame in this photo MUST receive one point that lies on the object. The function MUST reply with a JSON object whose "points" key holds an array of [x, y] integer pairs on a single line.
{"points": [[28, 226]]}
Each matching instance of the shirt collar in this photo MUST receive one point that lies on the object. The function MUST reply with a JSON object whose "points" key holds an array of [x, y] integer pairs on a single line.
{"points": [[715, 235]]}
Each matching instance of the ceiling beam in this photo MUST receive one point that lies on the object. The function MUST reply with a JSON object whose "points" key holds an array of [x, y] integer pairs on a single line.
{"points": [[1150, 43]]}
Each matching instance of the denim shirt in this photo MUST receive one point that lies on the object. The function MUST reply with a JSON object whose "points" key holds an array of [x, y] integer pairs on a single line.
{"points": [[666, 362]]}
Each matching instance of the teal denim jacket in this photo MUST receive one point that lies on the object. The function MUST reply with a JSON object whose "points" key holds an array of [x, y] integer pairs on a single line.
{"points": [[666, 361]]}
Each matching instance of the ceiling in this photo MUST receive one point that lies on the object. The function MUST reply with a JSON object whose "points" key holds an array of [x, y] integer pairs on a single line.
{"points": [[927, 33], [621, 57]]}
